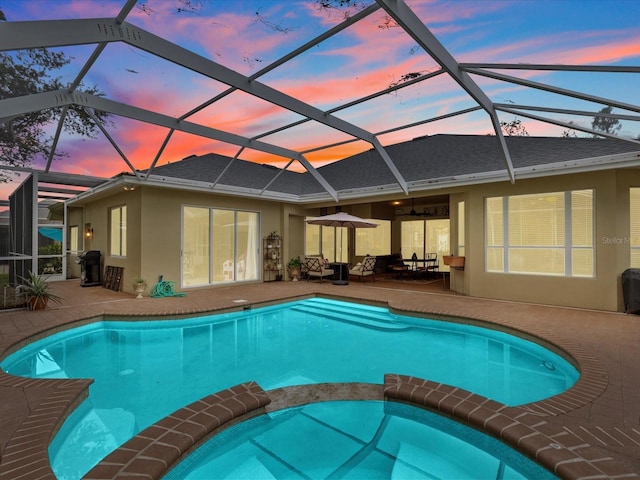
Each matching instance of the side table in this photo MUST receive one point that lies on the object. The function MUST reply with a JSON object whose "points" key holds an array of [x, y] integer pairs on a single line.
{"points": [[340, 273]]}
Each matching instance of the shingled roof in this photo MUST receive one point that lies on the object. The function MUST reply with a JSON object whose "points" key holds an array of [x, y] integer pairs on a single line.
{"points": [[424, 161], [219, 169], [280, 116]]}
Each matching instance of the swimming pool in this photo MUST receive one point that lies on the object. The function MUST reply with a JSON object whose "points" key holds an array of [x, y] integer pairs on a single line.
{"points": [[145, 370], [355, 439]]}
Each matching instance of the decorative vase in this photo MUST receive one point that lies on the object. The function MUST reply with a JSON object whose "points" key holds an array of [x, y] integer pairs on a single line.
{"points": [[140, 289], [294, 273]]}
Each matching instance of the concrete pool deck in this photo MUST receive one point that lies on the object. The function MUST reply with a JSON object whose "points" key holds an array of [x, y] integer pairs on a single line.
{"points": [[602, 411]]}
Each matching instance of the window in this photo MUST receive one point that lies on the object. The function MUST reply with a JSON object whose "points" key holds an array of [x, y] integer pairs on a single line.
{"points": [[118, 237], [546, 234], [374, 241], [196, 246], [218, 246], [330, 242], [74, 233], [332, 247], [634, 230], [412, 238], [425, 236], [312, 244], [333, 242]]}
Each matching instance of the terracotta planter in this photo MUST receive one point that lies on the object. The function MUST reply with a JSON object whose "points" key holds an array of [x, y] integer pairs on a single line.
{"points": [[453, 261], [38, 303]]}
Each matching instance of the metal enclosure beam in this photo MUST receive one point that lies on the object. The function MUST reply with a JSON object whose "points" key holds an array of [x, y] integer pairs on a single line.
{"points": [[560, 91], [414, 27], [56, 33]]}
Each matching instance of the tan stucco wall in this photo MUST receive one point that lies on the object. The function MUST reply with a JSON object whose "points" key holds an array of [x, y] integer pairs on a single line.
{"points": [[97, 215], [603, 292], [154, 219], [161, 220], [154, 235]]}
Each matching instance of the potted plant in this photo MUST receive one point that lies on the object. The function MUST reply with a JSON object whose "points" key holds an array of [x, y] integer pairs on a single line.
{"points": [[273, 239], [294, 266], [36, 292], [139, 285]]}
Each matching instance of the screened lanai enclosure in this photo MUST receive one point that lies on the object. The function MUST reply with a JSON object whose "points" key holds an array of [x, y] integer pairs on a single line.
{"points": [[296, 87], [333, 78], [35, 236]]}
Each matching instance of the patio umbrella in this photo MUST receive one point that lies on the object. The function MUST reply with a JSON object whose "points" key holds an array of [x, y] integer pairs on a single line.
{"points": [[341, 219]]}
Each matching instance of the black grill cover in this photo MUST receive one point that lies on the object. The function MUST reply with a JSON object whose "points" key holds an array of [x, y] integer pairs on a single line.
{"points": [[90, 265], [631, 290]]}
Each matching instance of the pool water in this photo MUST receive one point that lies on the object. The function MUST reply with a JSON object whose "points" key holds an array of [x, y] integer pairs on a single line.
{"points": [[145, 370], [355, 440]]}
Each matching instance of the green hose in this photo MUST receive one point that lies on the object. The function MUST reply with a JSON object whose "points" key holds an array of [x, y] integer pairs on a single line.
{"points": [[165, 289]]}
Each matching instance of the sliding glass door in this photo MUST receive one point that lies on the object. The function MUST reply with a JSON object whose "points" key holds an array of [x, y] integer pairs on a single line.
{"points": [[247, 243], [425, 236], [196, 246], [218, 246], [330, 242]]}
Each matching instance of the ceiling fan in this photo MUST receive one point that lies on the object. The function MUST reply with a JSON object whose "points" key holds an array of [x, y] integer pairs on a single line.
{"points": [[414, 213]]}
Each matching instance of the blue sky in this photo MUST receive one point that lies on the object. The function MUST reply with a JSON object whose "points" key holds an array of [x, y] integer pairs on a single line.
{"points": [[367, 57]]}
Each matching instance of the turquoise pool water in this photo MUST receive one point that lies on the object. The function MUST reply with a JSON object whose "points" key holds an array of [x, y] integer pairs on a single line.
{"points": [[355, 440], [145, 370]]}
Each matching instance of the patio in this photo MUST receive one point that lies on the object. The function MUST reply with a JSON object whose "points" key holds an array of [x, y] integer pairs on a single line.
{"points": [[600, 413]]}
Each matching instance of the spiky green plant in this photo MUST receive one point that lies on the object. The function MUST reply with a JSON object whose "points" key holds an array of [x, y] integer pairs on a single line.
{"points": [[36, 291]]}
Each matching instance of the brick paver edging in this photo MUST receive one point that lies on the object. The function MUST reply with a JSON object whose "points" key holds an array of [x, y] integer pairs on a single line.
{"points": [[528, 432], [26, 454], [151, 453]]}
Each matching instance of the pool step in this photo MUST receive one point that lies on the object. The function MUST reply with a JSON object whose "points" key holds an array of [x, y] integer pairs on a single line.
{"points": [[367, 310], [355, 316]]}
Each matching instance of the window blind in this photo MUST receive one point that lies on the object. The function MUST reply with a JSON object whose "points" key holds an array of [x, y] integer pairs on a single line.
{"points": [[547, 234]]}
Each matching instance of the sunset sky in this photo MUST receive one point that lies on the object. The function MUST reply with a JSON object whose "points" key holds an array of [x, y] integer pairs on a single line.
{"points": [[369, 56]]}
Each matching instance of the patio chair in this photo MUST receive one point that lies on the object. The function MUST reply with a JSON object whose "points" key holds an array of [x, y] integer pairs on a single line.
{"points": [[426, 265], [431, 263], [315, 268], [365, 269], [303, 264]]}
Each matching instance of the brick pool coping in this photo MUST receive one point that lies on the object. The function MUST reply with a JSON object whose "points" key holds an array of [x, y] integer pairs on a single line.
{"points": [[523, 429], [152, 452], [160, 447], [25, 455]]}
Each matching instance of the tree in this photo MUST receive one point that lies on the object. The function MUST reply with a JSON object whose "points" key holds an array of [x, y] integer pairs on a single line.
{"points": [[606, 123], [514, 128], [24, 138], [569, 132]]}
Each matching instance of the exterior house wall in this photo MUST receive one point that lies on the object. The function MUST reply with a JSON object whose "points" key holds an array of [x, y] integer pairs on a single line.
{"points": [[154, 228], [96, 214], [603, 292], [161, 226], [155, 219], [620, 241]]}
